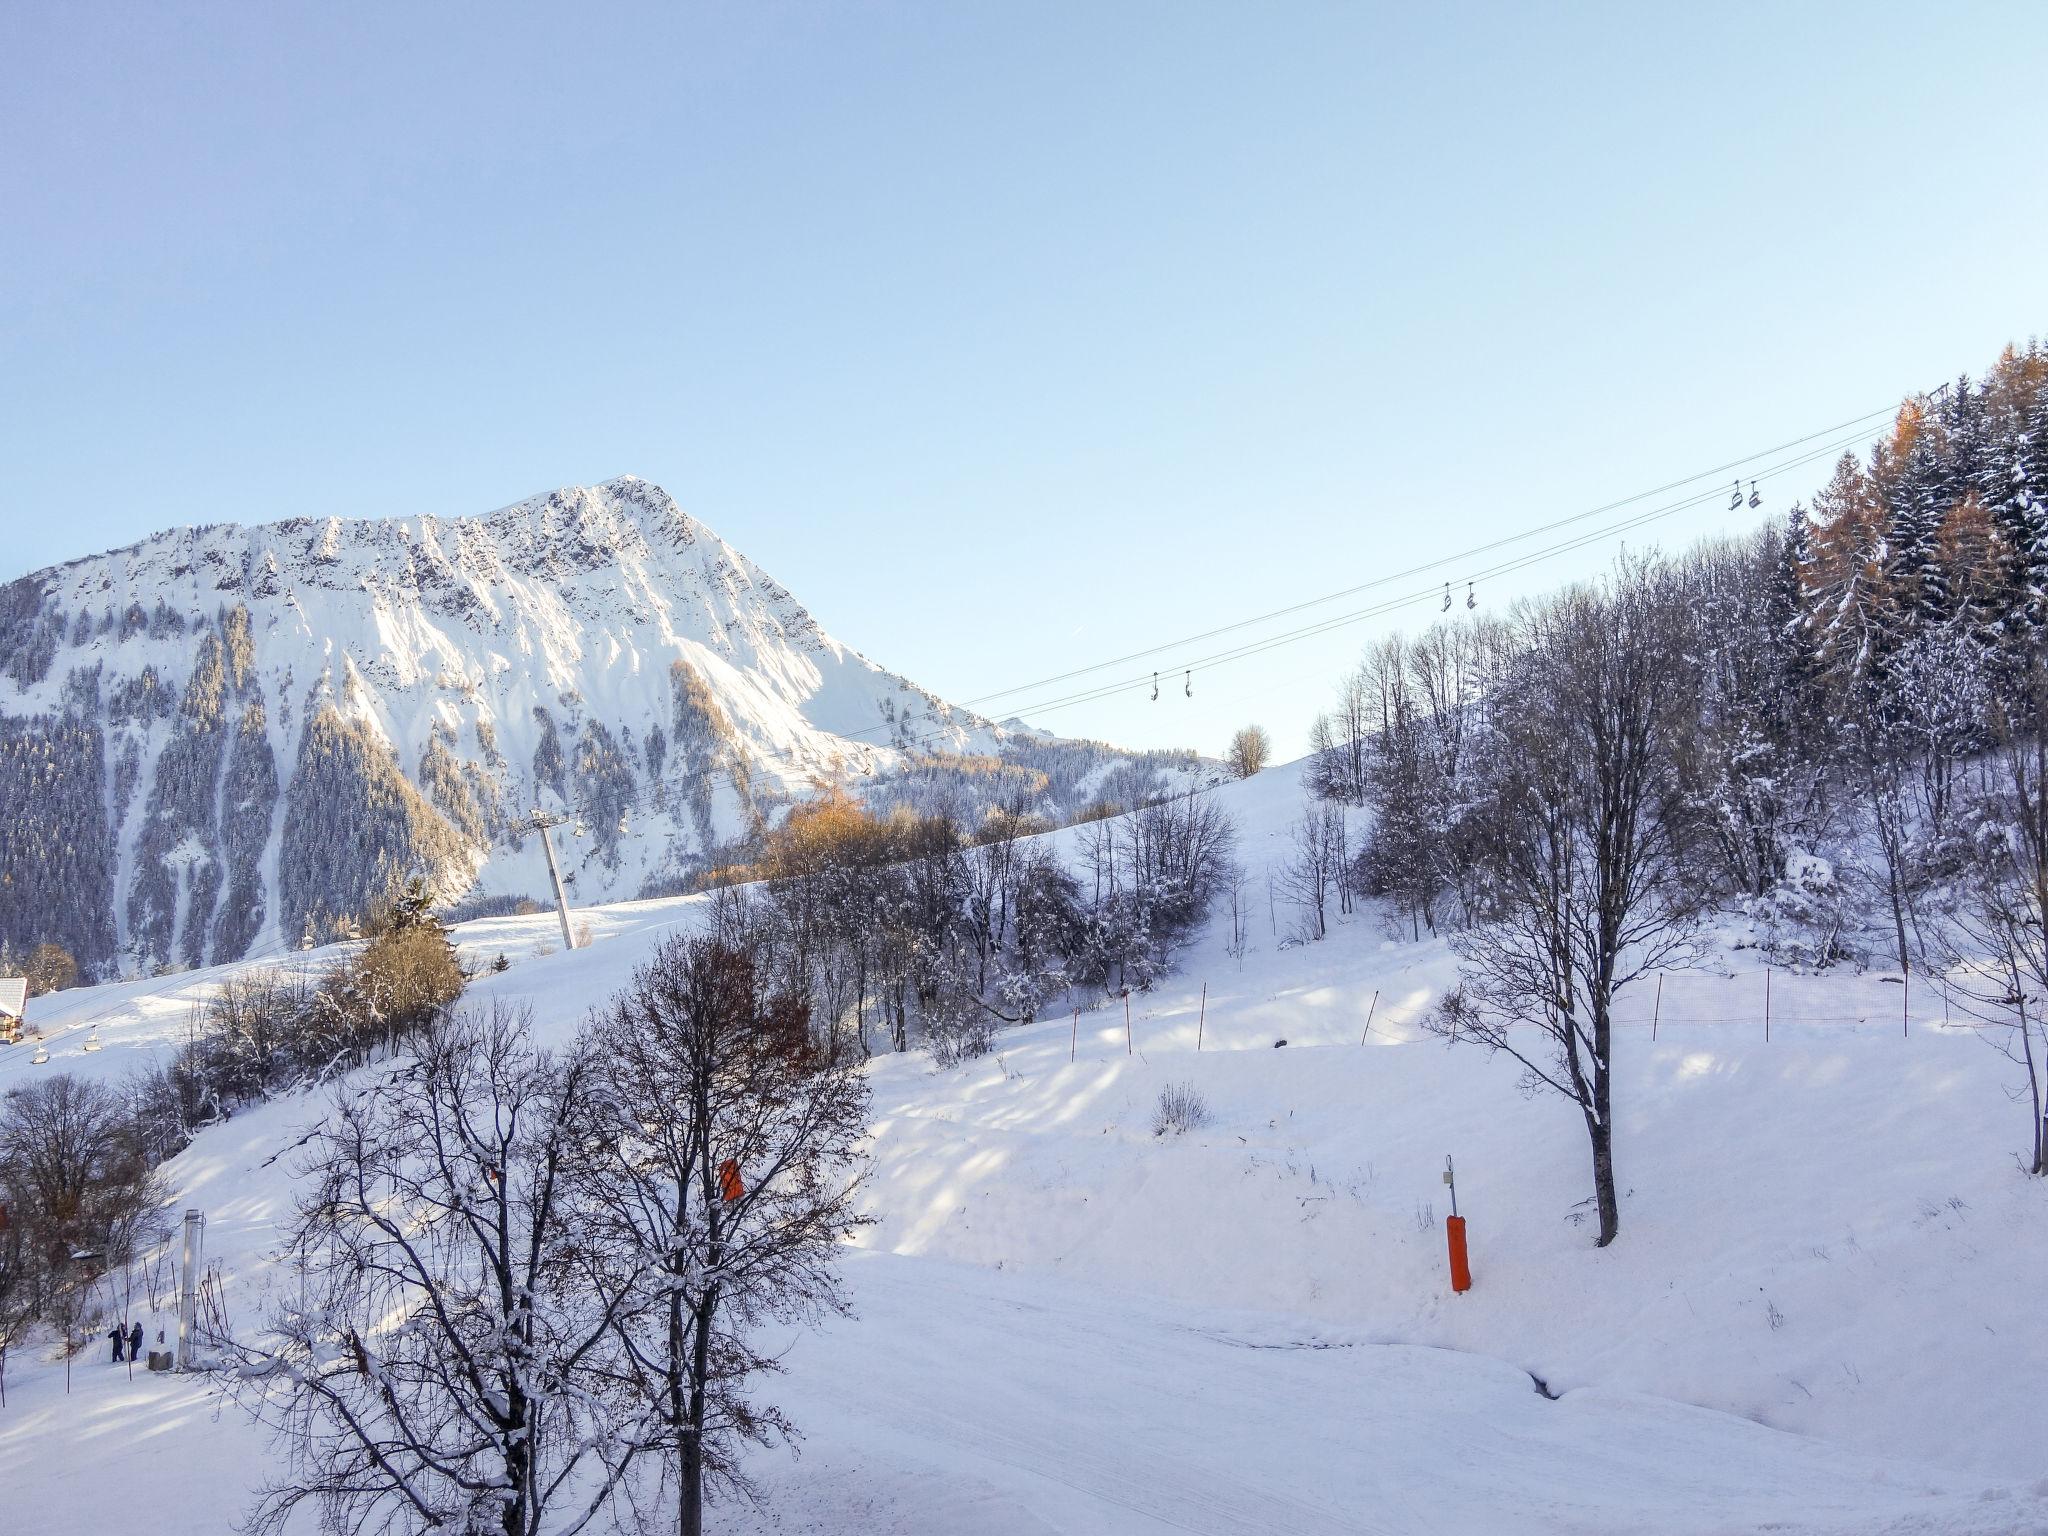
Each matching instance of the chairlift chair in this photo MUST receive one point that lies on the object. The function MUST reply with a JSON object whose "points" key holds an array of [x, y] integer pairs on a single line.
{"points": [[1188, 687], [1155, 687], [1470, 600], [1735, 497], [1754, 499], [1447, 597]]}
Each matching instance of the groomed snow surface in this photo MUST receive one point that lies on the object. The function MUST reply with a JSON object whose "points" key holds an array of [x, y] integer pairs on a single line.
{"points": [[1822, 1314]]}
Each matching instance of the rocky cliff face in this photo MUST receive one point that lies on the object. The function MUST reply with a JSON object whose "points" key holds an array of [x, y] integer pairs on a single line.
{"points": [[219, 736]]}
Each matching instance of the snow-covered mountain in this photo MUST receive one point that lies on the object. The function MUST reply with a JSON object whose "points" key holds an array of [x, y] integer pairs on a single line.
{"points": [[219, 736]]}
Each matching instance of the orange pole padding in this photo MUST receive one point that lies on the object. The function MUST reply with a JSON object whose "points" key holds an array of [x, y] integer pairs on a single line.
{"points": [[1461, 1267], [729, 1184]]}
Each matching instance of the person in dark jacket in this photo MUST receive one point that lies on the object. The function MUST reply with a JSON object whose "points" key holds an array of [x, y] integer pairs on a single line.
{"points": [[135, 1342], [120, 1336]]}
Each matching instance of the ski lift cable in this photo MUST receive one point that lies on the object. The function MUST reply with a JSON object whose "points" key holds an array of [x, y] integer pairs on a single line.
{"points": [[1857, 422], [1322, 627], [1507, 567], [1325, 626], [1577, 541], [279, 948], [26, 1045]]}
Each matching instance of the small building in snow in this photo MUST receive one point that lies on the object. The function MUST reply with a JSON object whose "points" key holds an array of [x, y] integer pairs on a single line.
{"points": [[13, 1007]]}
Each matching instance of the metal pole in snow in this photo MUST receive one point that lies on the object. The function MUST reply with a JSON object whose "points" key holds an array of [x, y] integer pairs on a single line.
{"points": [[1658, 1012], [188, 1286], [1767, 1005], [547, 844], [1202, 1022], [1128, 1049], [1073, 1043], [1905, 1006], [1370, 1010], [1454, 1235]]}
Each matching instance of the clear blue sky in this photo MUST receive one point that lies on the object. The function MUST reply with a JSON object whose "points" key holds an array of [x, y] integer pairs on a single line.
{"points": [[1009, 336]]}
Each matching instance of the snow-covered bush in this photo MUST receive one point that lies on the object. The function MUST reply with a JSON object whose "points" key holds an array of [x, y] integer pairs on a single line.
{"points": [[1800, 920], [278, 1029], [1181, 1108]]}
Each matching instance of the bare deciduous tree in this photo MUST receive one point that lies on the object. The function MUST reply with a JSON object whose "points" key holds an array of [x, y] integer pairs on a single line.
{"points": [[424, 1366], [1583, 880], [723, 1187], [1249, 749], [76, 1183], [1993, 947], [50, 968], [1316, 866]]}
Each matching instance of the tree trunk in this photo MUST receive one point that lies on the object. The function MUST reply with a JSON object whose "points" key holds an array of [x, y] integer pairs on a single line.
{"points": [[1603, 1179], [1891, 839], [691, 1514], [679, 1405]]}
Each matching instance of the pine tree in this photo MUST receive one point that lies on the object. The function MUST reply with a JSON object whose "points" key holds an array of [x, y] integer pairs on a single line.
{"points": [[1845, 581], [2017, 503], [1919, 594], [1785, 616]]}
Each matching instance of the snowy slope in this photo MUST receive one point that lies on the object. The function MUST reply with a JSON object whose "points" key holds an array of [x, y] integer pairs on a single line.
{"points": [[1816, 1318], [215, 734]]}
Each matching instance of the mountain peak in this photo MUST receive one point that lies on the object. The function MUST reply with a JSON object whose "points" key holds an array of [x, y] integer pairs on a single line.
{"points": [[225, 731]]}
